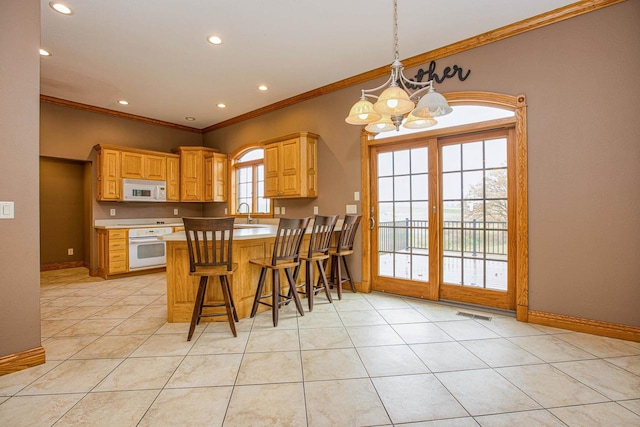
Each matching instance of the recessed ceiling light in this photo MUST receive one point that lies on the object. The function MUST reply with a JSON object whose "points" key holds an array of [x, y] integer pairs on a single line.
{"points": [[123, 102], [61, 8], [191, 119], [221, 105], [215, 40], [44, 53], [263, 87]]}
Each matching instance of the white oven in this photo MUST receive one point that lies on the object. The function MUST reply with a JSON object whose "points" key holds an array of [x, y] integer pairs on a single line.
{"points": [[145, 250]]}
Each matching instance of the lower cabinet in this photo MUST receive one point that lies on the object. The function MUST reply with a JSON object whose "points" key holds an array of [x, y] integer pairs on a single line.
{"points": [[112, 252]]}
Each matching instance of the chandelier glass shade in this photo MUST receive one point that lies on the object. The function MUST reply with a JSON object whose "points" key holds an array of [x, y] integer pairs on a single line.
{"points": [[397, 102]]}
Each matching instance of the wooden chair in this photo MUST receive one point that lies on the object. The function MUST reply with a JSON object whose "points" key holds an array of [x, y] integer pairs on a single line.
{"points": [[286, 256], [344, 248], [210, 242], [317, 254]]}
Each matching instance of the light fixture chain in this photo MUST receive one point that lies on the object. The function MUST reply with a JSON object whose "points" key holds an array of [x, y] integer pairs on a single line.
{"points": [[395, 30]]}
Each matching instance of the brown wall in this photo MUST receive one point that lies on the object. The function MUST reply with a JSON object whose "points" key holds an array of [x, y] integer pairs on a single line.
{"points": [[62, 210], [19, 257], [580, 79]]}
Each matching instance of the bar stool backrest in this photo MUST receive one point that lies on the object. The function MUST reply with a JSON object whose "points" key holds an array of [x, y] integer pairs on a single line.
{"points": [[348, 232], [209, 241], [288, 239], [321, 234]]}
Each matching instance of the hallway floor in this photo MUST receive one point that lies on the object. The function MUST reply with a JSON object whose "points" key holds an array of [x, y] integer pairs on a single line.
{"points": [[368, 360]]}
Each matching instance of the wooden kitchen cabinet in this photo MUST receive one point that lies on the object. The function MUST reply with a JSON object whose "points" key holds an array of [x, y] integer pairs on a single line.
{"points": [[203, 175], [109, 185], [290, 166], [112, 252], [215, 172], [173, 178], [138, 165]]}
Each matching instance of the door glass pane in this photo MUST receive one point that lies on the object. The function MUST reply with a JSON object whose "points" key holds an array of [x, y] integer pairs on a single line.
{"points": [[419, 160], [402, 188], [472, 185], [451, 186], [495, 152], [385, 164], [472, 155], [420, 187], [452, 212], [401, 162], [451, 158], [403, 214], [385, 189], [496, 184], [474, 235]]}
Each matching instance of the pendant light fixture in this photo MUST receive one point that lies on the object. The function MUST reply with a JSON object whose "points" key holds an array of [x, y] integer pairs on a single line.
{"points": [[397, 101]]}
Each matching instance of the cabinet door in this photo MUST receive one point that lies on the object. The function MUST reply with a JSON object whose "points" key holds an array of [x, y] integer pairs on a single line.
{"points": [[173, 179], [191, 180], [132, 165], [109, 175], [312, 168], [290, 173], [155, 167], [208, 179], [220, 178], [271, 170]]}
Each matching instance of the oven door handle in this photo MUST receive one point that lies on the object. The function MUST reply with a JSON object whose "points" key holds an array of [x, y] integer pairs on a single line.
{"points": [[136, 240]]}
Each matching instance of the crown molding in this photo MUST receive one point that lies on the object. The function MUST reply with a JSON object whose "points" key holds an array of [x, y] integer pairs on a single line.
{"points": [[101, 110]]}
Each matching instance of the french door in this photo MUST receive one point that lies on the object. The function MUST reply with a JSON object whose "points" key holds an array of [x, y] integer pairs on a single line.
{"points": [[442, 210]]}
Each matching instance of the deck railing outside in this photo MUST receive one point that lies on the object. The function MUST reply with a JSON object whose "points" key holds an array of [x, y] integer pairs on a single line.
{"points": [[475, 237]]}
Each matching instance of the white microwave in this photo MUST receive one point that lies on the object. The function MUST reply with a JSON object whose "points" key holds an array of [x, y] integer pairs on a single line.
{"points": [[142, 190]]}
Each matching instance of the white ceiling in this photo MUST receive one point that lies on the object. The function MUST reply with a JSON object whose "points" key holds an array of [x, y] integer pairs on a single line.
{"points": [[155, 53]]}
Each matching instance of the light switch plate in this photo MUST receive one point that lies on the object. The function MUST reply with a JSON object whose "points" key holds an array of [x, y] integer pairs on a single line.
{"points": [[112, 212], [315, 210], [352, 209], [6, 210], [282, 210], [356, 196]]}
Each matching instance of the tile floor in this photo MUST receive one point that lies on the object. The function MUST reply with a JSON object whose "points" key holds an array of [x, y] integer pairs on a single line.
{"points": [[370, 359]]}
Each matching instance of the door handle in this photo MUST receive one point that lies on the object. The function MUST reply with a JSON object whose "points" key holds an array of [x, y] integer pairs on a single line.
{"points": [[372, 223]]}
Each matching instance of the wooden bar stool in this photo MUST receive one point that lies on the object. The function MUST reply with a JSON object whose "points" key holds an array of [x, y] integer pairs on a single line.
{"points": [[210, 242], [286, 256], [317, 254], [344, 248]]}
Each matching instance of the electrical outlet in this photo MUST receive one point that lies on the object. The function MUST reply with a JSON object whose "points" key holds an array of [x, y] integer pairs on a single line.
{"points": [[112, 212], [6, 210], [315, 210], [70, 251], [226, 211], [282, 210], [175, 211], [276, 210]]}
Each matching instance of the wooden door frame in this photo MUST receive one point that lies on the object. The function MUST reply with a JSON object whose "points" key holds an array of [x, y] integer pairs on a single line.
{"points": [[518, 105]]}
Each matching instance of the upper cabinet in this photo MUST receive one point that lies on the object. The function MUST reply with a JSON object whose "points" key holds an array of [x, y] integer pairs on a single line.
{"points": [[109, 179], [144, 166], [290, 166], [173, 178], [203, 175]]}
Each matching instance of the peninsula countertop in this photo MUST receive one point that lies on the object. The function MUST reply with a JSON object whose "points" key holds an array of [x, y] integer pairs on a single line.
{"points": [[240, 232]]}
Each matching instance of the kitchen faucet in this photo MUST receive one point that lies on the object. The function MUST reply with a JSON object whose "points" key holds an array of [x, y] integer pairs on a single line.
{"points": [[248, 211]]}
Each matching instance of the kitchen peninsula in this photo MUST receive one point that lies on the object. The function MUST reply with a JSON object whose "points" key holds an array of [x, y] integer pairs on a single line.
{"points": [[249, 241]]}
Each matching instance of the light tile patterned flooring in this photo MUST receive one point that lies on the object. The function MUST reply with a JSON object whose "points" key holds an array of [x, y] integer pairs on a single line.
{"points": [[370, 359]]}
